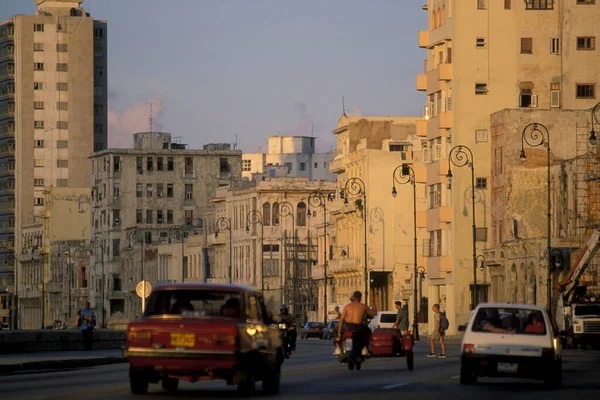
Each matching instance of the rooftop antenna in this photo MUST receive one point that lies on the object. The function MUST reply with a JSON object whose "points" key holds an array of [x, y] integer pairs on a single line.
{"points": [[343, 107], [151, 120]]}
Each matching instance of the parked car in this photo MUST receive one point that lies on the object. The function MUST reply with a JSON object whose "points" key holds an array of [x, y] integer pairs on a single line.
{"points": [[204, 332], [383, 320], [511, 340], [330, 331], [313, 330], [4, 326]]}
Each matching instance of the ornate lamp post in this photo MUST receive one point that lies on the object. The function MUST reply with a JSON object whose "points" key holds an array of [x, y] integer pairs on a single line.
{"points": [[404, 174], [176, 233], [99, 243], [596, 119], [136, 237], [224, 224], [255, 217], [356, 187], [286, 209], [65, 248], [536, 135], [318, 199], [422, 274], [462, 156]]}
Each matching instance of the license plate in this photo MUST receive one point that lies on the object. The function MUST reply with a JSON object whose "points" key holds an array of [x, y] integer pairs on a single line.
{"points": [[183, 339], [508, 367], [349, 345]]}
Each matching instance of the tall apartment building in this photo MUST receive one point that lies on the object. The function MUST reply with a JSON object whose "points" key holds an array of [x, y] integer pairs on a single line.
{"points": [[53, 111], [484, 56], [151, 188], [289, 156]]}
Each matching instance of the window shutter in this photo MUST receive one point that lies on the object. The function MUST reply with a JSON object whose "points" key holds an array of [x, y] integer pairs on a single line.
{"points": [[555, 98], [534, 101]]}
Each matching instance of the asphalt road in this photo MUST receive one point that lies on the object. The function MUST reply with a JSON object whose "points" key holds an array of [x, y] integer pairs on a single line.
{"points": [[312, 372]]}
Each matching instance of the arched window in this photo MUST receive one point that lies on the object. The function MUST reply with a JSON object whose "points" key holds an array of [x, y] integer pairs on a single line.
{"points": [[266, 214], [301, 214], [275, 213]]}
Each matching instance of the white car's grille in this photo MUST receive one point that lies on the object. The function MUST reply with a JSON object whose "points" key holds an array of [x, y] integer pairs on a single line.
{"points": [[591, 326]]}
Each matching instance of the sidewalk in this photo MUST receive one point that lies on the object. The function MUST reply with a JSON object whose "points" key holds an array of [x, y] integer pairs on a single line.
{"points": [[52, 360]]}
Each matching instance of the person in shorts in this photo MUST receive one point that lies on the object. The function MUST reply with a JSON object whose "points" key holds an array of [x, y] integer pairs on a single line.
{"points": [[437, 334]]}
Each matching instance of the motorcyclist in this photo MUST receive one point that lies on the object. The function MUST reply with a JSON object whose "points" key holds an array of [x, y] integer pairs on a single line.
{"points": [[286, 318], [353, 319]]}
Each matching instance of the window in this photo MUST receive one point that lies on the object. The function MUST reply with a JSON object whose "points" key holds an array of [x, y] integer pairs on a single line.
{"points": [[98, 128], [138, 190], [62, 183], [159, 163], [586, 91], [481, 136], [98, 108], [481, 183], [189, 217], [159, 216], [169, 216], [61, 47], [302, 166], [480, 43], [116, 191], [160, 189], [507, 4], [586, 43], [98, 91], [62, 163], [169, 190], [585, 2], [116, 247], [98, 33], [481, 88], [38, 47], [246, 165], [224, 166], [38, 201], [526, 99], [38, 182], [38, 66], [169, 163], [316, 165], [38, 85], [62, 124], [62, 105], [98, 52], [482, 4], [62, 86], [149, 190], [38, 144], [555, 46], [116, 164], [149, 164], [138, 216], [99, 71], [38, 27], [62, 67], [38, 105], [38, 163], [539, 4], [62, 144], [189, 191], [301, 214], [526, 45], [138, 165], [149, 216], [399, 147], [266, 212]]}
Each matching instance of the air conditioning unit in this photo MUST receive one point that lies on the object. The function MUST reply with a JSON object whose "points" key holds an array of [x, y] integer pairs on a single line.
{"points": [[481, 90]]}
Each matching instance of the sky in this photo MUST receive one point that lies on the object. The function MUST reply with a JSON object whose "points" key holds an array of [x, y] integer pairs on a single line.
{"points": [[241, 70]]}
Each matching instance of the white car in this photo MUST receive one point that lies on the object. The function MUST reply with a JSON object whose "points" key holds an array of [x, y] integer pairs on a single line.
{"points": [[511, 340], [383, 319]]}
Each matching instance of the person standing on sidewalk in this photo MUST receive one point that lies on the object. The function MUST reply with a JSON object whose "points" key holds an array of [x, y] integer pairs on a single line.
{"points": [[438, 333], [87, 318], [401, 318]]}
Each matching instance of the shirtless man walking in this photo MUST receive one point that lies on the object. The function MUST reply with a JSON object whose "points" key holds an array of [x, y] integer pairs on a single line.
{"points": [[353, 316]]}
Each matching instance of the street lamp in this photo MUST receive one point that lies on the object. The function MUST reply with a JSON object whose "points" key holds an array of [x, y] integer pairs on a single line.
{"points": [[65, 248], [422, 274], [95, 243], [536, 135], [286, 209], [177, 233], [356, 187], [462, 156], [255, 217], [36, 251], [596, 119], [224, 224], [317, 199], [404, 174], [481, 259], [136, 237]]}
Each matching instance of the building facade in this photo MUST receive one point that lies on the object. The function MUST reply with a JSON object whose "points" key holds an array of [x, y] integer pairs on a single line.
{"points": [[289, 156], [482, 57], [160, 190], [53, 111]]}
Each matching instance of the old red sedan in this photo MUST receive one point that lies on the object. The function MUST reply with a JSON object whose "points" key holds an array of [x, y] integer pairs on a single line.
{"points": [[196, 332]]}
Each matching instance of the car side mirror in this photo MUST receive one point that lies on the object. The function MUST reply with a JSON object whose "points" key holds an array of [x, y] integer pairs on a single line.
{"points": [[462, 328]]}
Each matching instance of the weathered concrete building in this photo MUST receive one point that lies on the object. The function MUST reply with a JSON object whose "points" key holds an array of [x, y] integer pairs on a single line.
{"points": [[482, 57], [158, 189], [289, 156], [53, 111], [517, 259], [370, 149]]}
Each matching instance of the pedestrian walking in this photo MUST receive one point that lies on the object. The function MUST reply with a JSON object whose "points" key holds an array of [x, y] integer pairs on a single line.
{"points": [[438, 332], [87, 322]]}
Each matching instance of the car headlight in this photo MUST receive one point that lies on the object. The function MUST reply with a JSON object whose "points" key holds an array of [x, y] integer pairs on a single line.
{"points": [[281, 326]]}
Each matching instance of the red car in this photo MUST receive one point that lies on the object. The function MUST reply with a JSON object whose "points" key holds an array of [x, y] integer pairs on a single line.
{"points": [[197, 332]]}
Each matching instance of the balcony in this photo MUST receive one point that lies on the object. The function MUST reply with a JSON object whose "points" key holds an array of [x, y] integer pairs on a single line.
{"points": [[343, 265], [189, 174], [422, 82], [445, 120], [438, 266], [445, 72], [438, 170], [421, 128], [423, 39], [338, 166]]}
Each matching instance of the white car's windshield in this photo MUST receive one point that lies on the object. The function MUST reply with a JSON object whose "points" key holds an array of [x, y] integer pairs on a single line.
{"points": [[581, 311], [509, 320], [387, 318]]}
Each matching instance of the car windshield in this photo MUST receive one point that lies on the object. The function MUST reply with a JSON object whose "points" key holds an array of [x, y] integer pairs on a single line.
{"points": [[387, 318], [195, 303], [314, 324], [580, 311], [509, 320]]}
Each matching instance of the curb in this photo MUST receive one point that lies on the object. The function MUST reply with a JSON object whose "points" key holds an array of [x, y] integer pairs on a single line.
{"points": [[60, 364]]}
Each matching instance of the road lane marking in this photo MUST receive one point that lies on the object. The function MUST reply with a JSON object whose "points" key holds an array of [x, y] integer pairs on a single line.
{"points": [[397, 385], [455, 377]]}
